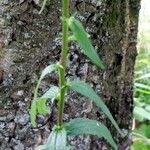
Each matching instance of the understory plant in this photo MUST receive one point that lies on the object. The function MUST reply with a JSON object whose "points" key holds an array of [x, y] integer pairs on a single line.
{"points": [[72, 30]]}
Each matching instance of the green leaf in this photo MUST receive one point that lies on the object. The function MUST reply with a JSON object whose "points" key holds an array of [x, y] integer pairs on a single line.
{"points": [[51, 143], [142, 91], [144, 130], [84, 126], [143, 86], [139, 145], [52, 93], [41, 106], [81, 37], [42, 147], [145, 76], [61, 141], [46, 71], [43, 6], [141, 112], [84, 89], [147, 108], [57, 140]]}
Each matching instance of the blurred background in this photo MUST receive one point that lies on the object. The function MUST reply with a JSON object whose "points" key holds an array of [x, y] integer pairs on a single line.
{"points": [[141, 122]]}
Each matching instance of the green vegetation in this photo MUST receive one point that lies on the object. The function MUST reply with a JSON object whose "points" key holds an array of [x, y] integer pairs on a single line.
{"points": [[72, 30], [141, 132]]}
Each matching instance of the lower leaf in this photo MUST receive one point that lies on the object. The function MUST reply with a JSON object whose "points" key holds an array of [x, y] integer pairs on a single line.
{"points": [[42, 147], [84, 126]]}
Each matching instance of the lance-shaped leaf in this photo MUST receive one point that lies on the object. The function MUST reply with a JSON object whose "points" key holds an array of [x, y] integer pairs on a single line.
{"points": [[84, 126], [82, 38], [84, 89]]}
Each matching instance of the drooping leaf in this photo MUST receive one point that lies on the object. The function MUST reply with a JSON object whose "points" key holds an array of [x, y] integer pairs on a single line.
{"points": [[46, 71], [52, 93], [84, 126], [82, 38], [43, 6], [84, 89], [141, 112]]}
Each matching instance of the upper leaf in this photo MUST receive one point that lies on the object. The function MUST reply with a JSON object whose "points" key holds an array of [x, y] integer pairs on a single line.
{"points": [[82, 38], [84, 89], [84, 126]]}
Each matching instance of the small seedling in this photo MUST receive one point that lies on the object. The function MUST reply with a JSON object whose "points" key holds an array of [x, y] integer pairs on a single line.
{"points": [[72, 30]]}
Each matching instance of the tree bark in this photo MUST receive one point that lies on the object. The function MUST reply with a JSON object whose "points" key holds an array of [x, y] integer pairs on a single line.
{"points": [[29, 42]]}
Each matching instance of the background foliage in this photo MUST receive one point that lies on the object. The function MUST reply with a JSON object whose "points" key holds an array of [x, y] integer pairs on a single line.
{"points": [[141, 125]]}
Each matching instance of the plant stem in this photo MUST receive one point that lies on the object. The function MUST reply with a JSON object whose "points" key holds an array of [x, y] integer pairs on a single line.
{"points": [[63, 59]]}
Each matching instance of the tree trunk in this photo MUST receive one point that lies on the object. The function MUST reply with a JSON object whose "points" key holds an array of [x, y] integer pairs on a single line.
{"points": [[29, 42]]}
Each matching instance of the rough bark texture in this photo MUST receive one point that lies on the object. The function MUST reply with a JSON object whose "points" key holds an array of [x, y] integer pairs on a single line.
{"points": [[29, 42]]}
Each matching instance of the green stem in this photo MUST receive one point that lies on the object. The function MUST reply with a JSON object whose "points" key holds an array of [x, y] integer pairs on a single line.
{"points": [[63, 59]]}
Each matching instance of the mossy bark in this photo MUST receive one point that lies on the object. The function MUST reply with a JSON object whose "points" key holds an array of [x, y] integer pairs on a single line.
{"points": [[29, 42]]}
